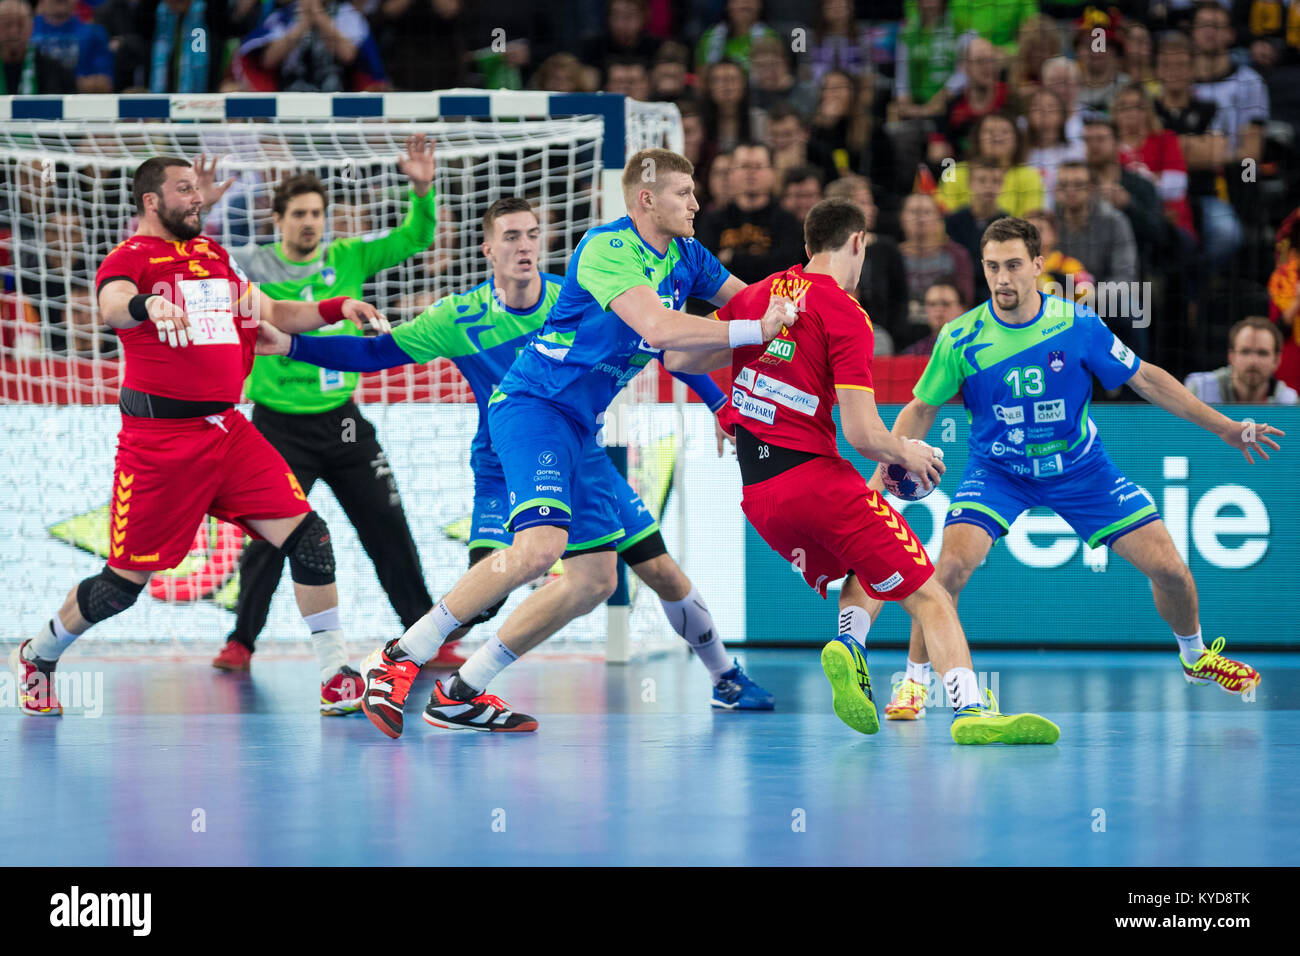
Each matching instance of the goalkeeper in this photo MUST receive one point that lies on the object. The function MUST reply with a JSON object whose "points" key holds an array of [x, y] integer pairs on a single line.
{"points": [[307, 413]]}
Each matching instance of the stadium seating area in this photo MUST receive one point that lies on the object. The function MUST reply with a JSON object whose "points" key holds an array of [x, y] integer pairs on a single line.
{"points": [[1153, 140]]}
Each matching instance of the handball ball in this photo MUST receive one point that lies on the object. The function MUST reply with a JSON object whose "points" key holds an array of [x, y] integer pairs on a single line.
{"points": [[905, 484]]}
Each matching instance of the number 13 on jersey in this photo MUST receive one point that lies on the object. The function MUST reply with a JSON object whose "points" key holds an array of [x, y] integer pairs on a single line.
{"points": [[1025, 381]]}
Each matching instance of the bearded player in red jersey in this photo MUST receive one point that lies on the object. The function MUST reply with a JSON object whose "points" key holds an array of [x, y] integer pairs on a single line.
{"points": [[188, 320], [811, 505]]}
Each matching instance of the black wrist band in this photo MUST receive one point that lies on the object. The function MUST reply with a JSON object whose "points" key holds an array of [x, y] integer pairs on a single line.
{"points": [[139, 307]]}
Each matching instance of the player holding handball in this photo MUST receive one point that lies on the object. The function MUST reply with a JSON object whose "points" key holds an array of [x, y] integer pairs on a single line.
{"points": [[813, 507], [188, 320]]}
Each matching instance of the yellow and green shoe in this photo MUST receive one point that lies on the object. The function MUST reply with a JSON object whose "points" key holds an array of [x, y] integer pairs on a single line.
{"points": [[846, 668], [984, 724]]}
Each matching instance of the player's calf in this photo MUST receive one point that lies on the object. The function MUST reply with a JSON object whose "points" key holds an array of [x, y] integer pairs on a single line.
{"points": [[33, 662]]}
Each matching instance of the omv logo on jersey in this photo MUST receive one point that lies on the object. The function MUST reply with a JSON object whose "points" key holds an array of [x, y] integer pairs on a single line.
{"points": [[1053, 411]]}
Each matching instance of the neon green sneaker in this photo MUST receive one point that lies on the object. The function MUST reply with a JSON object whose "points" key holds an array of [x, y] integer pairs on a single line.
{"points": [[981, 724], [846, 668]]}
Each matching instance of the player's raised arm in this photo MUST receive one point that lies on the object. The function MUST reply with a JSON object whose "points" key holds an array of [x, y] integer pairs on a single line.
{"points": [[1160, 388], [124, 307], [864, 430]]}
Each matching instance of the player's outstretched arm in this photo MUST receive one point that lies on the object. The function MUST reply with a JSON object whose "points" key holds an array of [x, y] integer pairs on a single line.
{"points": [[292, 316], [123, 307], [1160, 388], [868, 435], [343, 353], [664, 328]]}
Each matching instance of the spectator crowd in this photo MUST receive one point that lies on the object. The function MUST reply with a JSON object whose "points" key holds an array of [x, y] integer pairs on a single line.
{"points": [[1151, 141]]}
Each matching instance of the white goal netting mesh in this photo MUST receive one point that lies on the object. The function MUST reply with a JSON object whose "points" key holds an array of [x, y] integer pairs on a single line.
{"points": [[65, 202]]}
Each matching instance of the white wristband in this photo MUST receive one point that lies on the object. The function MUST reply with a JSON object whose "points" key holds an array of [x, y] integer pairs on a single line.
{"points": [[745, 332]]}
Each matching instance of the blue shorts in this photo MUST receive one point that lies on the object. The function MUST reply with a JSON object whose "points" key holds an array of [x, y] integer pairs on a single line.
{"points": [[1098, 502], [488, 527], [549, 479]]}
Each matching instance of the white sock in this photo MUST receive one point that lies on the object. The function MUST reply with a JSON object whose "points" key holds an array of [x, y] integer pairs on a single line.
{"points": [[855, 622], [1190, 647], [52, 640], [918, 672], [327, 641], [691, 619], [486, 663], [422, 640], [963, 688]]}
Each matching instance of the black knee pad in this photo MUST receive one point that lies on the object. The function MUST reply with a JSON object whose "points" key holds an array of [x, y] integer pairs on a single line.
{"points": [[105, 595], [310, 554]]}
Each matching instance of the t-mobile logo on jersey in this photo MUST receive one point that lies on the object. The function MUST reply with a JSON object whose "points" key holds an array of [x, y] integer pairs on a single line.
{"points": [[76, 909]]}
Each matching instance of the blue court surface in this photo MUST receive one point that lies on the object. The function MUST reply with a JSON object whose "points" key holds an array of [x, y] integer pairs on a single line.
{"points": [[185, 765]]}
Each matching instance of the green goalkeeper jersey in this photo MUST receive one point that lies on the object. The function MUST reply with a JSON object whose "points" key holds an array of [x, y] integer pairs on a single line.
{"points": [[339, 268]]}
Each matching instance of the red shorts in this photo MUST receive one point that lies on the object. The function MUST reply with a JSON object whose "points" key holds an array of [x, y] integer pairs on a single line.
{"points": [[822, 517], [169, 473]]}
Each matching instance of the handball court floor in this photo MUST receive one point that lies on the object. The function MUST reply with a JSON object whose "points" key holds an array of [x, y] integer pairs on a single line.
{"points": [[188, 766]]}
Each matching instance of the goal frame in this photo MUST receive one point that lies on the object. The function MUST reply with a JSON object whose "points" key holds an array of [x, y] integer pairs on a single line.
{"points": [[627, 127]]}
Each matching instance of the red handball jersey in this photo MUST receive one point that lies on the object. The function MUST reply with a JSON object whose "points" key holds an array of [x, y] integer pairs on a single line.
{"points": [[783, 392], [200, 277]]}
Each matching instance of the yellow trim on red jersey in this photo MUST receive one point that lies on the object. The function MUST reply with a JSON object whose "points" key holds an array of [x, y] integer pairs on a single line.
{"points": [[861, 388]]}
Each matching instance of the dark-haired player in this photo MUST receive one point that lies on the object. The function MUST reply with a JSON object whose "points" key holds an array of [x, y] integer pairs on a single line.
{"points": [[188, 320], [303, 411], [813, 507], [1024, 363], [482, 331], [618, 308]]}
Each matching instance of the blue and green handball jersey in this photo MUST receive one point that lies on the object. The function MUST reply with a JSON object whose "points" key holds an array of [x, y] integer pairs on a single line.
{"points": [[1027, 388], [482, 336], [584, 353]]}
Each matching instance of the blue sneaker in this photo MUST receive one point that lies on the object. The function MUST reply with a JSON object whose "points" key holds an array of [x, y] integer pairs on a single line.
{"points": [[735, 691], [846, 668]]}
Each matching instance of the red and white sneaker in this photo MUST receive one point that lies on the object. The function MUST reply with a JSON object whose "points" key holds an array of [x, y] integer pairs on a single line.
{"points": [[1212, 667], [341, 694], [486, 712], [233, 657], [448, 657], [35, 680], [388, 674]]}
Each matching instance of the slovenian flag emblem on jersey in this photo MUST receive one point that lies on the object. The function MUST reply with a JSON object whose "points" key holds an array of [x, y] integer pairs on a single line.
{"points": [[1056, 361]]}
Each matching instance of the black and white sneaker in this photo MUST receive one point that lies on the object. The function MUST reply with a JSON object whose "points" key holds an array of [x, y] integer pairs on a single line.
{"points": [[485, 712]]}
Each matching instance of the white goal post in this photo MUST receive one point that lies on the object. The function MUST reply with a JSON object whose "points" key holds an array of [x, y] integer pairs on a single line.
{"points": [[65, 170]]}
